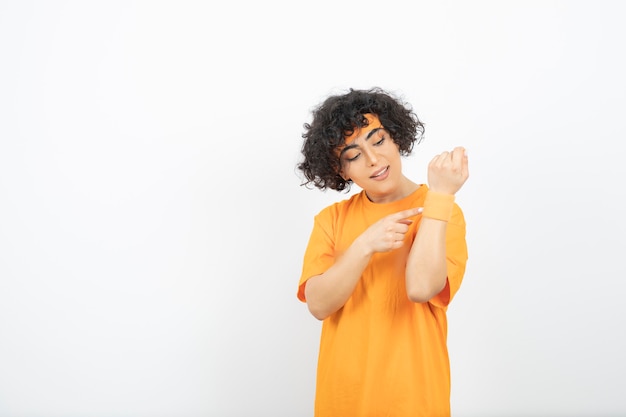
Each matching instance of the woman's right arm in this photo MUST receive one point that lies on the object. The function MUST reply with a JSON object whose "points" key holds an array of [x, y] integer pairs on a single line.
{"points": [[328, 292]]}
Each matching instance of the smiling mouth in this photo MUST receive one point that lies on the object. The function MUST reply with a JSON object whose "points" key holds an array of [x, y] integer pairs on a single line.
{"points": [[381, 172]]}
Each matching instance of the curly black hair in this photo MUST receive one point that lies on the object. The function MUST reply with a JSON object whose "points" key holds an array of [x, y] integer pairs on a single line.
{"points": [[337, 117]]}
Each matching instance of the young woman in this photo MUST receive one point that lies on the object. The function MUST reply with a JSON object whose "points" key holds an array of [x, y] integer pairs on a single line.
{"points": [[382, 266]]}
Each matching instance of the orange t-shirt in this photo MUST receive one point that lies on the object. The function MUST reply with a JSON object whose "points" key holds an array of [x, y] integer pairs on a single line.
{"points": [[381, 354]]}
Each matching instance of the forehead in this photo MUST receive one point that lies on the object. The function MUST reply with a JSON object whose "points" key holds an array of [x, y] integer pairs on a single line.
{"points": [[363, 136], [364, 132]]}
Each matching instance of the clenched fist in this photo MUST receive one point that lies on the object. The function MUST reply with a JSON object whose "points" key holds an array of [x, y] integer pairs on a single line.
{"points": [[448, 171]]}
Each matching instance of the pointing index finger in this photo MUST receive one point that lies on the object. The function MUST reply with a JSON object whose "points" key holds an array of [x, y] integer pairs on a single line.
{"points": [[405, 214]]}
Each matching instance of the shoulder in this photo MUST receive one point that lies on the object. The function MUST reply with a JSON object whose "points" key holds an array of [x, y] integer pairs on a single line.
{"points": [[343, 204], [335, 210]]}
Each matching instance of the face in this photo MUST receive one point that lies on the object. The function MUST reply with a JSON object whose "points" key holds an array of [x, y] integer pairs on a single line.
{"points": [[372, 161]]}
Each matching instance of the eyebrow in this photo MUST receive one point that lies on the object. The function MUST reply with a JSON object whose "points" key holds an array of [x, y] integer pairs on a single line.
{"points": [[354, 145]]}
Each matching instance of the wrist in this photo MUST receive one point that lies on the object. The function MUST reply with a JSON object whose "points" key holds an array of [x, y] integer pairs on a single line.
{"points": [[362, 248], [438, 205]]}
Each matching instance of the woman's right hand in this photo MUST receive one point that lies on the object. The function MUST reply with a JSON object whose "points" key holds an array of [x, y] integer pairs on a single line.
{"points": [[388, 233]]}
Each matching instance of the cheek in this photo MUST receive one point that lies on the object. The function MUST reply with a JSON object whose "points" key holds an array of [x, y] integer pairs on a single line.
{"points": [[345, 171], [393, 150], [393, 145]]}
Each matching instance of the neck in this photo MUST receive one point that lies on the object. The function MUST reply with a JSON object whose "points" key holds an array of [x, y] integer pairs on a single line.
{"points": [[406, 188]]}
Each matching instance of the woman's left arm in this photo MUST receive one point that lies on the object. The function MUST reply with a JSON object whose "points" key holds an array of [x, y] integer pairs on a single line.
{"points": [[426, 268]]}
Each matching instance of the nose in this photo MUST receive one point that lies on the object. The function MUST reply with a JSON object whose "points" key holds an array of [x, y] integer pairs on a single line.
{"points": [[370, 156]]}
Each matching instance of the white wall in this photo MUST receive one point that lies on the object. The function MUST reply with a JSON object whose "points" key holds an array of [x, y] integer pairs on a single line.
{"points": [[152, 223]]}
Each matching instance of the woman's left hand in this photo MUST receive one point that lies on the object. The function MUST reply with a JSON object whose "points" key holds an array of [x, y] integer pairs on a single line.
{"points": [[448, 171]]}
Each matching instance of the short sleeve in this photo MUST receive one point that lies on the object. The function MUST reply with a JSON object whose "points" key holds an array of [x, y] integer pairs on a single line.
{"points": [[456, 258], [320, 251]]}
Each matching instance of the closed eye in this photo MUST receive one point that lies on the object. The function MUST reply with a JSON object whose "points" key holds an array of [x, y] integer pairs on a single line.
{"points": [[381, 133], [354, 158]]}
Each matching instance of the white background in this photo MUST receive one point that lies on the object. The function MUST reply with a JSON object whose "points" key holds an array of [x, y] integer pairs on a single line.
{"points": [[152, 222]]}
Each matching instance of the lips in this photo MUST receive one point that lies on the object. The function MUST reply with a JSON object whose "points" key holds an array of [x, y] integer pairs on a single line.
{"points": [[381, 173]]}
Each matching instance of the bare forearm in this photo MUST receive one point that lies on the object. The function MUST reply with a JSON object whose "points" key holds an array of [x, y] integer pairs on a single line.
{"points": [[328, 292], [426, 269]]}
